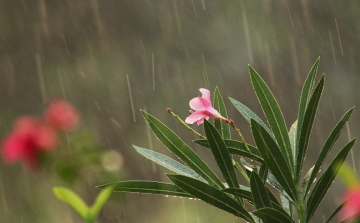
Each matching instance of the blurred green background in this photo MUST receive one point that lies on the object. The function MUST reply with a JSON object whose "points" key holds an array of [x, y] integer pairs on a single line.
{"points": [[100, 55]]}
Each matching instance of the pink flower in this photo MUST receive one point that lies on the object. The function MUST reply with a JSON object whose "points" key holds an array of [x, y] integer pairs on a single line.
{"points": [[203, 109], [351, 208], [61, 115], [29, 138]]}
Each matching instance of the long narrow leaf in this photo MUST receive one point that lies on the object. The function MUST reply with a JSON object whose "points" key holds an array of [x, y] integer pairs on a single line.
{"points": [[305, 183], [259, 192], [334, 135], [305, 97], [241, 192], [210, 195], [336, 211], [273, 157], [292, 136], [306, 127], [287, 205], [271, 215], [100, 201], [326, 179], [168, 163], [274, 116], [73, 200], [236, 148], [221, 154], [181, 150], [147, 187], [219, 105], [248, 115]]}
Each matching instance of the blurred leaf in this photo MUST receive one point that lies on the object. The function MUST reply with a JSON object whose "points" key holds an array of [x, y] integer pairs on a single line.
{"points": [[222, 127], [274, 117], [306, 127], [236, 148], [272, 215], [292, 137], [168, 163], [73, 200], [259, 192], [304, 99], [147, 187], [100, 201], [273, 157], [305, 183], [181, 150], [248, 115], [326, 179], [221, 154], [210, 195], [334, 135], [348, 177]]}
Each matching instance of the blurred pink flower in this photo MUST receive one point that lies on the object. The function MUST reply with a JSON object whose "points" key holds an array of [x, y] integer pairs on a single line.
{"points": [[351, 208], [61, 115], [203, 109], [29, 138]]}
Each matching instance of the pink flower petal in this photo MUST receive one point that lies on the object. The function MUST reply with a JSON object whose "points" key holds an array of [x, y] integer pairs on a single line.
{"points": [[205, 94], [197, 104], [200, 121], [195, 116]]}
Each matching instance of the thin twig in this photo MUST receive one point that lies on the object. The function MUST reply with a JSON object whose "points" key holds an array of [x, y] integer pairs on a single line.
{"points": [[243, 140], [238, 167], [184, 124]]}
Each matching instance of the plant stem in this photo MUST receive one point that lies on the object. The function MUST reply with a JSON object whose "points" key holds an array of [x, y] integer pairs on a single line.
{"points": [[184, 124], [300, 207], [243, 140], [243, 173]]}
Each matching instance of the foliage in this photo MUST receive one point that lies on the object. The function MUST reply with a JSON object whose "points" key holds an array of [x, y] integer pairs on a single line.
{"points": [[89, 214], [279, 152]]}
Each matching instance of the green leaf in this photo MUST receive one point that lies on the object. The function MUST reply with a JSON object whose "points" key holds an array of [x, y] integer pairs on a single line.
{"points": [[263, 173], [305, 97], [287, 205], [221, 154], [249, 170], [168, 163], [274, 116], [306, 127], [147, 187], [292, 136], [271, 215], [275, 184], [222, 127], [236, 148], [210, 195], [334, 135], [243, 192], [336, 211], [259, 192], [326, 179], [181, 150], [100, 201], [305, 183], [248, 115], [73, 200], [273, 157]]}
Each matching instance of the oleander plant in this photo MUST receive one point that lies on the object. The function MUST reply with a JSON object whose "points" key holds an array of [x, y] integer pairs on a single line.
{"points": [[274, 163]]}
